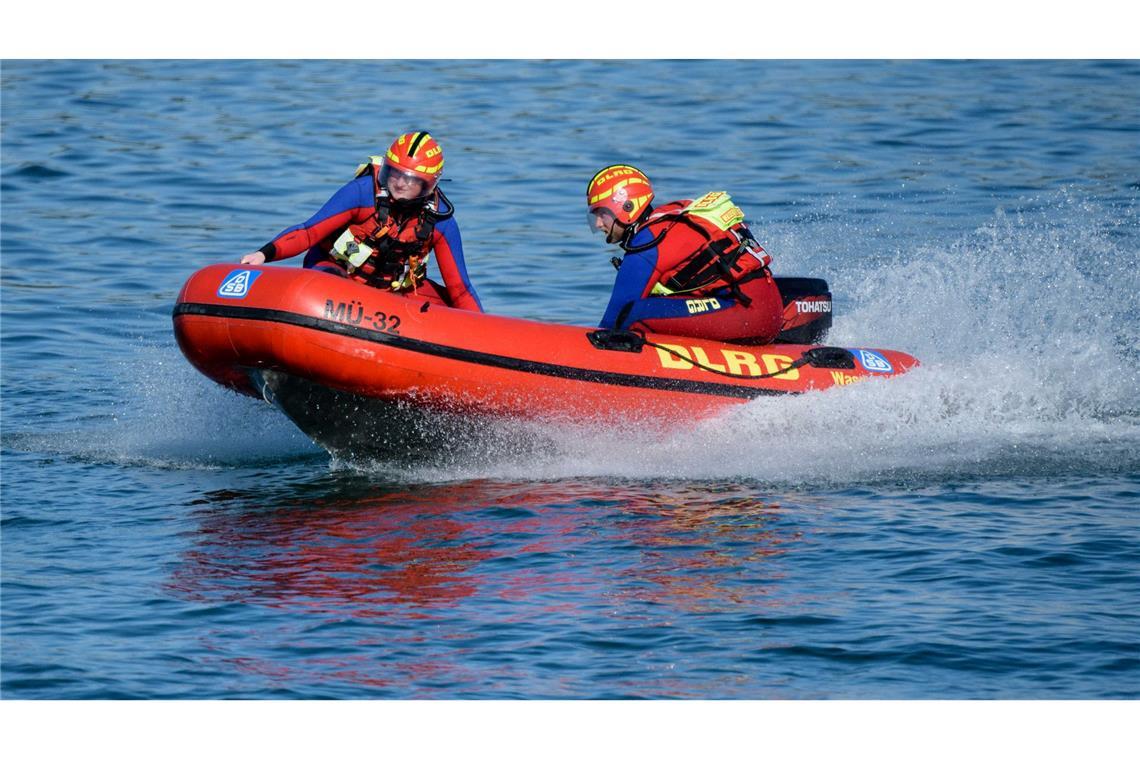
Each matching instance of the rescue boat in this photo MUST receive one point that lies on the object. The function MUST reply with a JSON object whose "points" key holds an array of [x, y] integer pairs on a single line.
{"points": [[365, 371]]}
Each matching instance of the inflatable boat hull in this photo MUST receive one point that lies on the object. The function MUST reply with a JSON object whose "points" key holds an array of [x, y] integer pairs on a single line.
{"points": [[331, 352]]}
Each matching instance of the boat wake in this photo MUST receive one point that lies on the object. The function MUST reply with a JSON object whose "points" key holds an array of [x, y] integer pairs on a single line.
{"points": [[170, 419], [1027, 329]]}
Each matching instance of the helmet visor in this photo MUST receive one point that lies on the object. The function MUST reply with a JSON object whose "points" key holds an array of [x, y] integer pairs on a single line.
{"points": [[600, 219], [403, 184]]}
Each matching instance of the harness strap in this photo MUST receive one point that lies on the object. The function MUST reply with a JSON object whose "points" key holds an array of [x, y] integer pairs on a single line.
{"points": [[703, 261], [718, 258], [629, 233], [392, 262]]}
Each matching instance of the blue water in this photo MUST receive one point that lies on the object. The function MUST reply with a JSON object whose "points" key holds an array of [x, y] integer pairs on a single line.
{"points": [[968, 530]]}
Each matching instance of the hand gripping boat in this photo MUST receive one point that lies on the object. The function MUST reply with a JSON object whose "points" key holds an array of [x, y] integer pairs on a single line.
{"points": [[365, 371]]}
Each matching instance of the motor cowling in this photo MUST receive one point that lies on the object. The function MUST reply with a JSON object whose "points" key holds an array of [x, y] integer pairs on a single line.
{"points": [[807, 310]]}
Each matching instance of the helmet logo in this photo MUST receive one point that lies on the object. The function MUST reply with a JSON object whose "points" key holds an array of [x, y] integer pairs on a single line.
{"points": [[622, 172], [623, 189]]}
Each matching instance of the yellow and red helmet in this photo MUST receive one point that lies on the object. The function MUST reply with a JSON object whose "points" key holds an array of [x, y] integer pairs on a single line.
{"points": [[621, 190], [414, 155]]}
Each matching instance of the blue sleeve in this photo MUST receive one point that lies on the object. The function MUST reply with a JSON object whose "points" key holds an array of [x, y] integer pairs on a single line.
{"points": [[632, 279], [456, 267], [355, 195]]}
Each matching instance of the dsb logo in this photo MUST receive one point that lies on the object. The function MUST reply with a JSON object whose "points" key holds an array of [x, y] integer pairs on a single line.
{"points": [[874, 362], [237, 284]]}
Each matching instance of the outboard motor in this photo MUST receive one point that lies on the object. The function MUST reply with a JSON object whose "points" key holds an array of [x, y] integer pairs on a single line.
{"points": [[807, 309]]}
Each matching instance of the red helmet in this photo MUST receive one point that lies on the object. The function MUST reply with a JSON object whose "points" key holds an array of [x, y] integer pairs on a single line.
{"points": [[622, 190], [414, 156]]}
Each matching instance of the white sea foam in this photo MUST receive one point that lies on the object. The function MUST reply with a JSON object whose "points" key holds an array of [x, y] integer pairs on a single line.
{"points": [[1027, 330], [174, 417]]}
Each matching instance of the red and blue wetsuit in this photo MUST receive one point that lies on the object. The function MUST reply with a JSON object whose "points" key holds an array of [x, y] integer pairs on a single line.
{"points": [[745, 307], [354, 205]]}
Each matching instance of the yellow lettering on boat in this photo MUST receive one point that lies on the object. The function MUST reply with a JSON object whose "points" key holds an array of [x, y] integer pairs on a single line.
{"points": [[776, 362], [703, 359], [740, 363], [669, 361], [841, 378], [738, 360]]}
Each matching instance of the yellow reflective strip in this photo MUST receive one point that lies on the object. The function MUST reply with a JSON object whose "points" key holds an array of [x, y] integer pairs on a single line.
{"points": [[347, 249], [606, 194], [600, 196], [418, 143], [372, 161], [716, 207], [615, 171], [709, 199]]}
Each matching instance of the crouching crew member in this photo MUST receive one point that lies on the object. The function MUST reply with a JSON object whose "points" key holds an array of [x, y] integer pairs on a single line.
{"points": [[689, 268], [382, 227]]}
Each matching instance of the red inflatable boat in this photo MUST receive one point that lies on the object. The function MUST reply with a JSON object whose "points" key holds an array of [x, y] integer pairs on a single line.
{"points": [[358, 368]]}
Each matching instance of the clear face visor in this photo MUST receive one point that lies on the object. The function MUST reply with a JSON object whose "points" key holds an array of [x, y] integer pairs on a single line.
{"points": [[600, 219], [402, 184]]}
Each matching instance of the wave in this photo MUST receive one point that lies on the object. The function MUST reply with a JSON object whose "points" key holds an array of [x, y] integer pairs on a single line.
{"points": [[171, 417], [1027, 330]]}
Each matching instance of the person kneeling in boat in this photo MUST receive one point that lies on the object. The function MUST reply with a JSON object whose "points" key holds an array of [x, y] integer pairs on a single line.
{"points": [[690, 267], [382, 227]]}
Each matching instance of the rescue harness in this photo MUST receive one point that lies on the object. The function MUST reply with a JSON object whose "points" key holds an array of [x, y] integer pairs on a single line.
{"points": [[392, 247], [720, 262]]}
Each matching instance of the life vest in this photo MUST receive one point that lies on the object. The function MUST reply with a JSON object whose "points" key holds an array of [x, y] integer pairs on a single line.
{"points": [[391, 248], [729, 257]]}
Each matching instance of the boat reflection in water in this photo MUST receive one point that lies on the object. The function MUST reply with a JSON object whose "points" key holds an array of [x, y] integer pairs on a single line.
{"points": [[428, 576]]}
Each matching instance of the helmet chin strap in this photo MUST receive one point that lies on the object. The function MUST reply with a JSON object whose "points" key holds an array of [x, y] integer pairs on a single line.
{"points": [[628, 231], [627, 237]]}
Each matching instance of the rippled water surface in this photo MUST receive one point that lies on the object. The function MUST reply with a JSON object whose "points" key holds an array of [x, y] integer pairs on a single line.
{"points": [[968, 530]]}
